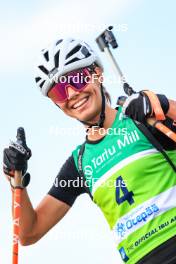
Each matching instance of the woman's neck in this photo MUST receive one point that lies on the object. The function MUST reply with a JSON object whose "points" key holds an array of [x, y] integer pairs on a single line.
{"points": [[96, 133]]}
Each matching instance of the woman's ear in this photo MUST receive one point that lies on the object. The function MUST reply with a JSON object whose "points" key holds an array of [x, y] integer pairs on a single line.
{"points": [[98, 71]]}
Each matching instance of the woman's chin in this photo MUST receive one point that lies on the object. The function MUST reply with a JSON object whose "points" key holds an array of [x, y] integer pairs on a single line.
{"points": [[90, 118]]}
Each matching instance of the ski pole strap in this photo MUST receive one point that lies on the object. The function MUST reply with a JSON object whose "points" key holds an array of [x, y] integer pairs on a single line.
{"points": [[155, 143], [156, 106], [80, 169]]}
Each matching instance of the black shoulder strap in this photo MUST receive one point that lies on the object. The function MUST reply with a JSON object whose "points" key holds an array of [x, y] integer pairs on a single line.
{"points": [[80, 169], [155, 143], [80, 157]]}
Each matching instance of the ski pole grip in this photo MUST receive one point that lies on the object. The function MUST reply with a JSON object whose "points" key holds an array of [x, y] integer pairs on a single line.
{"points": [[21, 138], [107, 38], [17, 178]]}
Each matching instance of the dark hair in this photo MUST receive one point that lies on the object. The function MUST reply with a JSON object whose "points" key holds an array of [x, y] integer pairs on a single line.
{"points": [[107, 95]]}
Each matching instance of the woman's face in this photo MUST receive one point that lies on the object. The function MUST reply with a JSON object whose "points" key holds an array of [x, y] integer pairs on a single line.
{"points": [[86, 104]]}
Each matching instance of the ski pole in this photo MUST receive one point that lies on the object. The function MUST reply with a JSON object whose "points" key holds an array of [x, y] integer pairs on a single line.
{"points": [[21, 141], [104, 41], [16, 216], [107, 40]]}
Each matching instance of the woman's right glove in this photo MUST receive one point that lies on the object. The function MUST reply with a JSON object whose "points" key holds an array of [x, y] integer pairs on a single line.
{"points": [[138, 106], [16, 157]]}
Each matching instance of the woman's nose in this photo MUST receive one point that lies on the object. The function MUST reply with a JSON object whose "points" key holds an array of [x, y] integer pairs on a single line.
{"points": [[71, 92]]}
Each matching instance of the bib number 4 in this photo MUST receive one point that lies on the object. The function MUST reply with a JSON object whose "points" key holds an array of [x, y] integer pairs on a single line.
{"points": [[121, 188]]}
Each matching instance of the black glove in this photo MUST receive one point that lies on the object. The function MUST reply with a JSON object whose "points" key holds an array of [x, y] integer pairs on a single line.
{"points": [[138, 106], [16, 157]]}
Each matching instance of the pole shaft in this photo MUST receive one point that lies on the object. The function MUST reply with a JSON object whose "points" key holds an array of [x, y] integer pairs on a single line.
{"points": [[113, 62], [16, 216], [164, 129]]}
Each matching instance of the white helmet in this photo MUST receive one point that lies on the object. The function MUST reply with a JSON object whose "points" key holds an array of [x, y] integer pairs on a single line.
{"points": [[61, 57]]}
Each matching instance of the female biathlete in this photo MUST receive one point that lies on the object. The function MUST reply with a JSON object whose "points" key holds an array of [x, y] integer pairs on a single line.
{"points": [[122, 171]]}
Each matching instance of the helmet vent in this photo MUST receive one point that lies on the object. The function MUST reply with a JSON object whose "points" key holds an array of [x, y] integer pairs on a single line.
{"points": [[41, 84], [73, 60], [46, 55], [43, 69], [56, 59], [85, 52], [59, 41], [73, 51], [37, 79]]}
